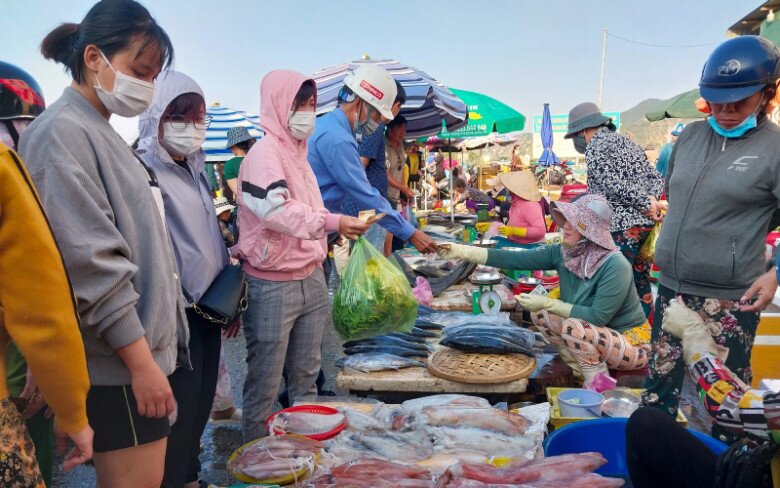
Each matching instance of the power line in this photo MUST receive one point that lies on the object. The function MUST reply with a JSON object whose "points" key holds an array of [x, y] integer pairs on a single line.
{"points": [[662, 45]]}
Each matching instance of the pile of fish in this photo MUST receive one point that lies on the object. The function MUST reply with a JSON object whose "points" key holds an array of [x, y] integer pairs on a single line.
{"points": [[272, 458], [433, 432], [405, 345], [441, 279], [565, 471], [490, 334], [373, 473], [489, 338]]}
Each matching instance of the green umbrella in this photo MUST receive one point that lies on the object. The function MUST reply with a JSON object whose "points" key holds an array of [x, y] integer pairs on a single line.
{"points": [[682, 106], [486, 115]]}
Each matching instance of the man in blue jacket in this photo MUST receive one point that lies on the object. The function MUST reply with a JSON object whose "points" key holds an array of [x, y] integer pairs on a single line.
{"points": [[366, 98]]}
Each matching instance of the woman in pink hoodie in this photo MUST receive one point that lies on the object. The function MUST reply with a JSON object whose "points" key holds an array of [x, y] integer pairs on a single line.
{"points": [[283, 227]]}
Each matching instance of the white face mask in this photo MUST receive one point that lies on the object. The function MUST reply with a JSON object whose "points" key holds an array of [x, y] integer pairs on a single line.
{"points": [[182, 142], [301, 124], [130, 96]]}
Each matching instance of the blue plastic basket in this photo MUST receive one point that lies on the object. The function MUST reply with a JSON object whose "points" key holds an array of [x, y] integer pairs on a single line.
{"points": [[608, 437]]}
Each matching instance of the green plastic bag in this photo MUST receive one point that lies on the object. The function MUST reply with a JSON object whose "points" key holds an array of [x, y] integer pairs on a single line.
{"points": [[373, 298]]}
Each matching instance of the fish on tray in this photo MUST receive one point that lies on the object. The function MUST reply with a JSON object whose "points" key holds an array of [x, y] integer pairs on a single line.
{"points": [[373, 473], [564, 468], [490, 442], [388, 341], [371, 362], [444, 399], [397, 350], [276, 457], [484, 344], [488, 418], [304, 423], [426, 324], [418, 332]]}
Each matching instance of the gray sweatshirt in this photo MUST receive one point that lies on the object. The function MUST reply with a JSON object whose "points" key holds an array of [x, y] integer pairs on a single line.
{"points": [[722, 193], [112, 237]]}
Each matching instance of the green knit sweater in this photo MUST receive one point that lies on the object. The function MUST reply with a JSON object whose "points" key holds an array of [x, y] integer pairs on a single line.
{"points": [[608, 299]]}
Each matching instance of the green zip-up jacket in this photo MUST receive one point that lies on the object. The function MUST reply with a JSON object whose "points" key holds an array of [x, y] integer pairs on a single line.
{"points": [[608, 299], [722, 193]]}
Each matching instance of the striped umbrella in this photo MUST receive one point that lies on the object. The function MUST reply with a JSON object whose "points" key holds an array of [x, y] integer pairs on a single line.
{"points": [[428, 102], [222, 120]]}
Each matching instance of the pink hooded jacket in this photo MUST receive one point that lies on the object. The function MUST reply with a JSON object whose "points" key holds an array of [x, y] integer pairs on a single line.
{"points": [[282, 221]]}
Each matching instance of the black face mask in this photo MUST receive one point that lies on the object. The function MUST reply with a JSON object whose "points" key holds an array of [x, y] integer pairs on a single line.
{"points": [[580, 144]]}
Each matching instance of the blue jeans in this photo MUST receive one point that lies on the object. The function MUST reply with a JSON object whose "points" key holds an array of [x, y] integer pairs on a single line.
{"points": [[376, 236]]}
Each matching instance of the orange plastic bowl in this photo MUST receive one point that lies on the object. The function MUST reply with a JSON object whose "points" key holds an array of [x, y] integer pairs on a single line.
{"points": [[316, 409]]}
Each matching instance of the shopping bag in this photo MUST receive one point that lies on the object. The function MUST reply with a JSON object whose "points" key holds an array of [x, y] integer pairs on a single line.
{"points": [[647, 251], [373, 298]]}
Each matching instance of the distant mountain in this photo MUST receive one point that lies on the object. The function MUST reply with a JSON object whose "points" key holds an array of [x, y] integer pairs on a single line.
{"points": [[650, 135]]}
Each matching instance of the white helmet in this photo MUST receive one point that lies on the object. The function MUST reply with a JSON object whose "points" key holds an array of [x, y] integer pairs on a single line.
{"points": [[375, 85]]}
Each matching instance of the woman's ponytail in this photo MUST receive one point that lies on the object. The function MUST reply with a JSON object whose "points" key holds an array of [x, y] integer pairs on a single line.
{"points": [[60, 45]]}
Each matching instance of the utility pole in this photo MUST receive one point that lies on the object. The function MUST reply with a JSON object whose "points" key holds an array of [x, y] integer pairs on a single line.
{"points": [[603, 63]]}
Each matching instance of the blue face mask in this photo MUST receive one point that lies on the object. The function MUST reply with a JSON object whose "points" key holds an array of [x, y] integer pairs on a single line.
{"points": [[738, 131], [749, 123]]}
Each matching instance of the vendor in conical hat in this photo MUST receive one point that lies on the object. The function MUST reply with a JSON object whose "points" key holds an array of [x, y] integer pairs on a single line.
{"points": [[525, 224], [598, 322]]}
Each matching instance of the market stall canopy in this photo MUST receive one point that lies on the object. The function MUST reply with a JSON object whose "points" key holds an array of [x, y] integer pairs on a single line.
{"points": [[486, 115], [429, 104], [492, 139], [222, 120], [682, 106]]}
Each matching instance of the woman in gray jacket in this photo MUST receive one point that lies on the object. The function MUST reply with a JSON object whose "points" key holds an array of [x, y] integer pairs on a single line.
{"points": [[724, 177]]}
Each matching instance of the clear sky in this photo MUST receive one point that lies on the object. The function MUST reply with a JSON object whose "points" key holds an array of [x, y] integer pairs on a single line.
{"points": [[522, 52]]}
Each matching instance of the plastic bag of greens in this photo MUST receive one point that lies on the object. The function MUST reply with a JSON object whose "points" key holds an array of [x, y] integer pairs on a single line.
{"points": [[373, 297]]}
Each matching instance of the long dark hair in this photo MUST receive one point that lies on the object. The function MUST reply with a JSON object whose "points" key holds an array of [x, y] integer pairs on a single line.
{"points": [[111, 25]]}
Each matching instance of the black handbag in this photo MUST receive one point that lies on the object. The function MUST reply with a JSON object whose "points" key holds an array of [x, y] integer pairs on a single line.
{"points": [[226, 298]]}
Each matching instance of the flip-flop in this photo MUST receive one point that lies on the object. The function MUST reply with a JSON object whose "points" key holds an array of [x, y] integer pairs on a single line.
{"points": [[234, 419]]}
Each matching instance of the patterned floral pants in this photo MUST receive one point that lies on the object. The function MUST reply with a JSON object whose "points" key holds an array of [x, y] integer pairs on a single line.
{"points": [[666, 370], [18, 468], [591, 345], [629, 241]]}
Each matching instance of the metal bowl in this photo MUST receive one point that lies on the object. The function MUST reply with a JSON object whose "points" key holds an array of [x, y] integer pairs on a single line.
{"points": [[619, 403], [485, 278], [488, 243]]}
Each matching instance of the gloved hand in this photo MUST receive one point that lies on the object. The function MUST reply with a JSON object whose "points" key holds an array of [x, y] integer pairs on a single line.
{"points": [[507, 231], [482, 226], [535, 303], [472, 254], [685, 324]]}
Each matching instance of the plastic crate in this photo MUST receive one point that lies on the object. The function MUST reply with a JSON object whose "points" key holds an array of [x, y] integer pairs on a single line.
{"points": [[555, 414]]}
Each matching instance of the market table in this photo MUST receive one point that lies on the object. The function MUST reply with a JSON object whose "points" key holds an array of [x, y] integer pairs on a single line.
{"points": [[417, 382]]}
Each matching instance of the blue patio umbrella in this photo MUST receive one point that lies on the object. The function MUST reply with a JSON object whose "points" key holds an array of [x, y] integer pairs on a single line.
{"points": [[222, 120], [428, 102], [548, 157]]}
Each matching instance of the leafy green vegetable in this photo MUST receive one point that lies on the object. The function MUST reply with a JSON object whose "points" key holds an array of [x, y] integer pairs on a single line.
{"points": [[373, 297]]}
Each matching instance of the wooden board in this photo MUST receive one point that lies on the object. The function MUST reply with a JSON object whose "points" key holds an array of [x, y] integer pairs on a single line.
{"points": [[419, 380], [480, 368]]}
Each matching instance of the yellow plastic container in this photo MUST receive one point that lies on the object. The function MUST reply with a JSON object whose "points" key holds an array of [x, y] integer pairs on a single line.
{"points": [[557, 421], [766, 349], [284, 480]]}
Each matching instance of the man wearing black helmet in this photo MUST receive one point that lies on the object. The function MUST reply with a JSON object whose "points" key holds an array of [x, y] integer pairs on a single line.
{"points": [[724, 185]]}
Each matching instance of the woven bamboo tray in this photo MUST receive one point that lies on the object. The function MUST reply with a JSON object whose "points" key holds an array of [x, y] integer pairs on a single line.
{"points": [[467, 367]]}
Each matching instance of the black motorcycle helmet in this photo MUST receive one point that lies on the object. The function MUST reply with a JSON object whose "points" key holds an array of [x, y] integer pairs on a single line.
{"points": [[20, 95], [738, 68]]}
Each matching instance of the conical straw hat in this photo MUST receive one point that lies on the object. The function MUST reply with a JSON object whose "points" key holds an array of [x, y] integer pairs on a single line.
{"points": [[522, 184]]}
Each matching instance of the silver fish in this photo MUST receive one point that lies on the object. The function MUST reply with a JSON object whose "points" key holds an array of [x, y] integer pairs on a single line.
{"points": [[370, 362]]}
